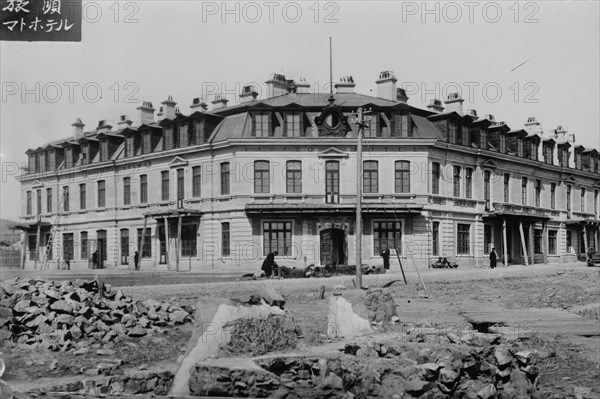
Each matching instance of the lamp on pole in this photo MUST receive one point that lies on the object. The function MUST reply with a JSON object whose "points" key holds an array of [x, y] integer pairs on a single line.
{"points": [[361, 121]]}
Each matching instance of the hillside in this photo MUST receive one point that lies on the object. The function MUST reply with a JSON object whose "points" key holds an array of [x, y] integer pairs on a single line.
{"points": [[6, 233]]}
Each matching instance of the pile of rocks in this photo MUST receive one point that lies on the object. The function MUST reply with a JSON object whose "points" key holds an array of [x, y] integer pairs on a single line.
{"points": [[57, 315], [381, 370]]}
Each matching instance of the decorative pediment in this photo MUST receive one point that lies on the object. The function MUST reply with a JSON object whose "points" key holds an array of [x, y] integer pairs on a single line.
{"points": [[597, 184], [333, 152], [488, 163], [178, 162], [569, 179], [37, 184]]}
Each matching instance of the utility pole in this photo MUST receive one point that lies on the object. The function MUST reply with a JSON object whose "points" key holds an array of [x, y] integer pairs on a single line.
{"points": [[360, 121]]}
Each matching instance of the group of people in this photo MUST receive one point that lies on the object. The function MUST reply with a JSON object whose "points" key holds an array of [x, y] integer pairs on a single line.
{"points": [[96, 265]]}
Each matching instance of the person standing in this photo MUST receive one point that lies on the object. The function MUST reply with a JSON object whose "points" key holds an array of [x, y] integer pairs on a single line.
{"points": [[493, 258], [385, 254], [136, 260]]}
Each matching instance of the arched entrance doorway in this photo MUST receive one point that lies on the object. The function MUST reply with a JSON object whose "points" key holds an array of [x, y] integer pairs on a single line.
{"points": [[333, 247]]}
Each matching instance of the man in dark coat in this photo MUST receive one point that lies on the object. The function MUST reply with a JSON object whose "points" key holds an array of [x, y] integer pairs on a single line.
{"points": [[493, 258], [269, 263], [136, 260], [385, 254]]}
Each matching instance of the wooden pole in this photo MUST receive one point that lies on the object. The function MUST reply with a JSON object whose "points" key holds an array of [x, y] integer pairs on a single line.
{"points": [[545, 242], [359, 199], [401, 268], [418, 274], [585, 241], [504, 242], [166, 222], [178, 242], [37, 244], [531, 246], [523, 244], [141, 250]]}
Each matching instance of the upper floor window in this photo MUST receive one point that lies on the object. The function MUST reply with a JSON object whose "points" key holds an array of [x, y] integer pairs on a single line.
{"points": [[101, 194], [548, 154], [332, 182], [524, 191], [180, 184], [553, 195], [66, 199], [483, 139], [146, 143], [293, 124], [583, 192], [49, 200], [103, 150], [452, 128], [402, 125], [502, 143], [569, 189], [262, 177], [468, 183], [164, 178], [29, 205], [225, 178], [38, 194], [456, 182], [370, 177], [596, 202], [534, 150], [435, 178], [506, 187], [538, 192], [82, 196], [465, 135], [143, 189], [402, 177], [196, 181], [126, 190], [578, 160], [262, 124], [487, 192], [293, 176], [520, 148]]}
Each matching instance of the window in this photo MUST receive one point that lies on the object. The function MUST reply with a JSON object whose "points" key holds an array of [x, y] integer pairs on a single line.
{"points": [[293, 177], [101, 194], [370, 177], [67, 246], [293, 124], [104, 150], [146, 141], [164, 186], [29, 203], [468, 183], [49, 200], [502, 143], [332, 182], [564, 157], [487, 194], [402, 125], [538, 192], [553, 195], [225, 178], [552, 234], [262, 124], [225, 239], [387, 235], [143, 189], [262, 177], [452, 127], [548, 154], [38, 197], [124, 246], [483, 139], [146, 252], [84, 245], [582, 199], [537, 241], [180, 184], [524, 191], [189, 242], [456, 182], [126, 191], [402, 177], [102, 245], [463, 246], [596, 193], [569, 198], [506, 187], [435, 178], [520, 148], [534, 150], [435, 238], [82, 196], [487, 238], [569, 242], [196, 181], [277, 236], [66, 199], [466, 135]]}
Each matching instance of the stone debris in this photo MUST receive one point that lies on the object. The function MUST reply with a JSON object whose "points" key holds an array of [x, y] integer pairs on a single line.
{"points": [[62, 315]]}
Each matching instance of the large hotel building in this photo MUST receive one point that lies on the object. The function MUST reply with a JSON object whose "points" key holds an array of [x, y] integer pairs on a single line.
{"points": [[220, 188]]}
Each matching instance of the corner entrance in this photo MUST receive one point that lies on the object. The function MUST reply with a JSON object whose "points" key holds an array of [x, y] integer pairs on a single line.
{"points": [[333, 247]]}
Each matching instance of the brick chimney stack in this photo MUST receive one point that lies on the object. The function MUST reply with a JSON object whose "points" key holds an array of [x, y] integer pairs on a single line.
{"points": [[345, 85], [198, 105], [219, 102], [145, 113], [454, 103], [435, 105], [386, 85], [77, 129]]}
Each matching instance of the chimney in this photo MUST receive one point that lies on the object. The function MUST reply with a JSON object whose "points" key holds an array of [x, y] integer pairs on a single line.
{"points": [[198, 105], [401, 96], [248, 94], [454, 103], [103, 126], [472, 113], [435, 105], [124, 122], [533, 126], [345, 85], [219, 102], [302, 86], [168, 108], [386, 85], [560, 134], [276, 85], [77, 129], [145, 113]]}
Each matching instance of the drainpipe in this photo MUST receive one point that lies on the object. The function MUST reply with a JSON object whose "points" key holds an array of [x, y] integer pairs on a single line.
{"points": [[116, 180]]}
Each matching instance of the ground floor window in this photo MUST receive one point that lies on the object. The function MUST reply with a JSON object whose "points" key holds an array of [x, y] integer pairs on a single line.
{"points": [[125, 246], [102, 244], [225, 239], [582, 242], [435, 238], [277, 236], [537, 241], [387, 235], [68, 246], [569, 241], [487, 238], [463, 239], [84, 245], [552, 234], [188, 240], [146, 252]]}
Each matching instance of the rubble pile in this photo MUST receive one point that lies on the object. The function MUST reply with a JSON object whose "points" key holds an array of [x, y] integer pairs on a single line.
{"points": [[57, 315], [382, 370]]}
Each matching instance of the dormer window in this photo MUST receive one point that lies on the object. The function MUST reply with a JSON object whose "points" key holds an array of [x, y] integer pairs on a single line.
{"points": [[373, 127], [502, 148], [520, 148], [402, 125], [293, 124], [261, 126], [548, 154], [483, 143], [465, 135], [564, 157], [534, 150], [452, 128], [104, 150], [577, 160]]}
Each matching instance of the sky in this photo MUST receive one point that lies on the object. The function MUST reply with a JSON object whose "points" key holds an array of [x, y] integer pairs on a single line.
{"points": [[510, 59]]}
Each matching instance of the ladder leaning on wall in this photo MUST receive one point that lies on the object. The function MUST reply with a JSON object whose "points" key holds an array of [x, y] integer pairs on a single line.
{"points": [[54, 231]]}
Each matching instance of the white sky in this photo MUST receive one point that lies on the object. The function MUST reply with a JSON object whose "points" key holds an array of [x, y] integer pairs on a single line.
{"points": [[185, 48]]}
